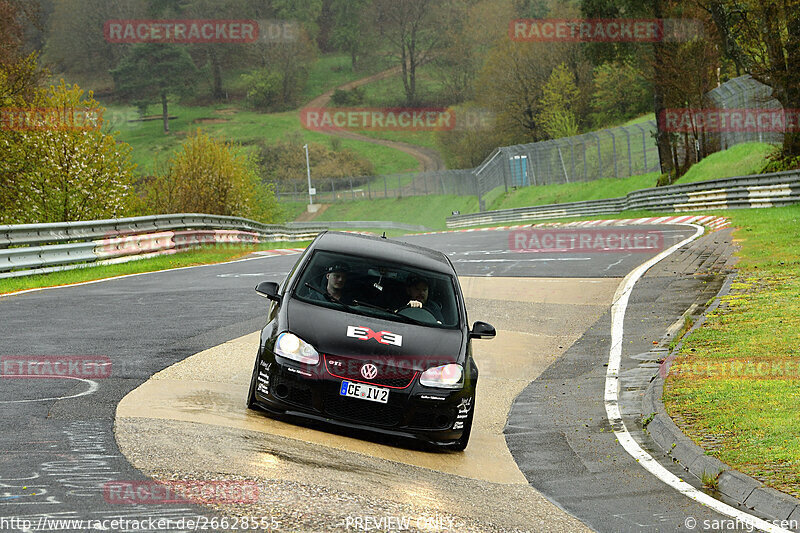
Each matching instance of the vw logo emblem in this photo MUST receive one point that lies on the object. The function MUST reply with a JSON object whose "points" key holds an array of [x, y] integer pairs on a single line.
{"points": [[369, 371]]}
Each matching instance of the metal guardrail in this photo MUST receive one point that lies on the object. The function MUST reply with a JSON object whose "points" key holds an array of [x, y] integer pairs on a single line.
{"points": [[29, 234], [27, 249], [38, 248], [764, 190]]}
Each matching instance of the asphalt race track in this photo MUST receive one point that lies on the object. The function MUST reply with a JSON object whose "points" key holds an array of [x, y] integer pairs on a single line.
{"points": [[542, 456]]}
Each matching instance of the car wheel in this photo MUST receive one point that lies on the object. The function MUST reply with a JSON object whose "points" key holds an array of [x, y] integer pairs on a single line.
{"points": [[251, 395], [461, 444]]}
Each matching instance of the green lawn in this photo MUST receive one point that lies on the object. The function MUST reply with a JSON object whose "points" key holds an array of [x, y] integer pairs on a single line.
{"points": [[746, 158], [748, 418], [150, 144], [573, 192], [332, 70], [740, 160], [429, 211], [389, 92]]}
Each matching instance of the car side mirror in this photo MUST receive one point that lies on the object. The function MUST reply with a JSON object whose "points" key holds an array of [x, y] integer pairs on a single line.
{"points": [[482, 330], [269, 289]]}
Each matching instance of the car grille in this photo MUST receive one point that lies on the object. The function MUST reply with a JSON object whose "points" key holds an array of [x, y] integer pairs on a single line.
{"points": [[394, 377], [364, 411]]}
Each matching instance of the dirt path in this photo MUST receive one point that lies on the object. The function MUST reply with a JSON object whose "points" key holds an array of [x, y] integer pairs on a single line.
{"points": [[428, 158], [305, 216]]}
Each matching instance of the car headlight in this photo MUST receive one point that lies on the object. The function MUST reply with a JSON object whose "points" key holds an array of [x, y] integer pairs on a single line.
{"points": [[444, 377], [293, 347]]}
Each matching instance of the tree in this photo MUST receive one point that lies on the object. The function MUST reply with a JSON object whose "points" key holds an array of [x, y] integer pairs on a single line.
{"points": [[657, 9], [414, 30], [75, 43], [58, 172], [351, 33], [558, 102], [763, 37], [290, 61], [620, 93], [458, 62], [218, 58], [210, 176], [511, 84], [153, 71]]}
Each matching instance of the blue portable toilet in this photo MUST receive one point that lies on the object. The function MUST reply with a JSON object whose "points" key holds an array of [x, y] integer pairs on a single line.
{"points": [[519, 170]]}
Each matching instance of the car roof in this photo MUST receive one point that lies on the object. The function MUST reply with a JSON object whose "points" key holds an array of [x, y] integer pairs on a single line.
{"points": [[383, 249]]}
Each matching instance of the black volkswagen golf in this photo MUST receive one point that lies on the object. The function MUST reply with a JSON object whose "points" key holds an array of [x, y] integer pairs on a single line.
{"points": [[370, 333]]}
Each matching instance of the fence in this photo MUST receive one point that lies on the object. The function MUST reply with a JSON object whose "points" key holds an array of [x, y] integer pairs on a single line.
{"points": [[742, 93], [611, 153], [455, 182]]}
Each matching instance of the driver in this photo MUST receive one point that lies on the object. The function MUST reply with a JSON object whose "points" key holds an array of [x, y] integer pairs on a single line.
{"points": [[417, 291]]}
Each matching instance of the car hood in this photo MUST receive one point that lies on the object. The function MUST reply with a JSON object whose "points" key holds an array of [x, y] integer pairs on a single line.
{"points": [[335, 332]]}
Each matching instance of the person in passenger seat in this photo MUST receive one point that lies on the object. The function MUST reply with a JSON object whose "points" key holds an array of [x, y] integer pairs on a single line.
{"points": [[335, 281]]}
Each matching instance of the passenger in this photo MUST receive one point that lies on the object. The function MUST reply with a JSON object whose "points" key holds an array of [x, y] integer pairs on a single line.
{"points": [[336, 279]]}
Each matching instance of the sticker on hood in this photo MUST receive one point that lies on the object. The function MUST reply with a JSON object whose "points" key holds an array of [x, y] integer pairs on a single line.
{"points": [[383, 337]]}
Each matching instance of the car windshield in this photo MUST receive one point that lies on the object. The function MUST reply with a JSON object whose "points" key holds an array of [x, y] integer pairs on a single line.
{"points": [[371, 287]]}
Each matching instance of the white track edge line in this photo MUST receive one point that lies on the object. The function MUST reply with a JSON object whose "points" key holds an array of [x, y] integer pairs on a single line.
{"points": [[612, 401]]}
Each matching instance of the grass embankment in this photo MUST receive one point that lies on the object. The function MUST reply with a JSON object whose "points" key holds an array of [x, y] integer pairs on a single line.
{"points": [[333, 70], [151, 144], [428, 211], [202, 256], [734, 386], [432, 210], [740, 160]]}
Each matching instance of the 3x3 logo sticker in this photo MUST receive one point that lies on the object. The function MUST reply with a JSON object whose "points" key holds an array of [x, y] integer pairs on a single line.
{"points": [[383, 337]]}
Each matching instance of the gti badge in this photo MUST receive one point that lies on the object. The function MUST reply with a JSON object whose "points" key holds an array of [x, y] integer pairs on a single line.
{"points": [[369, 371], [383, 337]]}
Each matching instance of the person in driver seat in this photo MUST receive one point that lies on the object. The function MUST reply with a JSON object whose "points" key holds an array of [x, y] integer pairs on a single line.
{"points": [[417, 290]]}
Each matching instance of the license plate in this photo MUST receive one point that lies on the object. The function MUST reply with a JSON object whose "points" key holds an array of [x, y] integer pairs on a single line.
{"points": [[364, 392]]}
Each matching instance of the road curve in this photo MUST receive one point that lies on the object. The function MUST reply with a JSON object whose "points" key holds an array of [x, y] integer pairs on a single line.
{"points": [[58, 441]]}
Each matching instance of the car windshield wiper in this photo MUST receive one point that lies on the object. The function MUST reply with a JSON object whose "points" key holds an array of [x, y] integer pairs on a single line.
{"points": [[392, 312], [328, 297]]}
